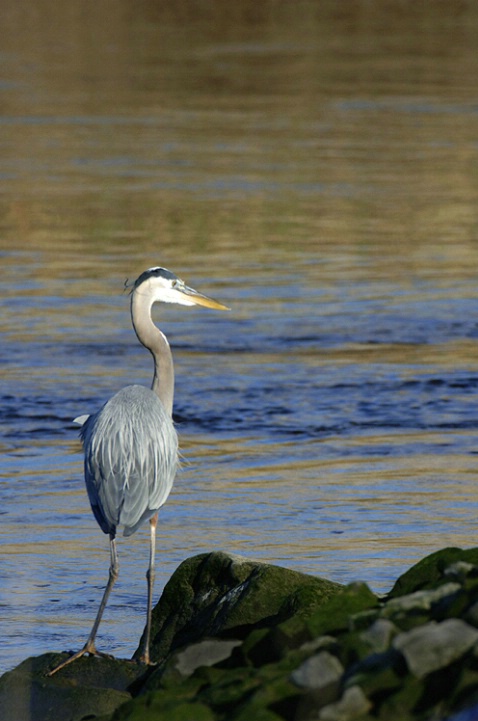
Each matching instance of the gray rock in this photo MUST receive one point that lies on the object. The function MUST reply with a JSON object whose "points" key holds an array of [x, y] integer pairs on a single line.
{"points": [[321, 642], [459, 570], [419, 600], [379, 635], [435, 645], [353, 703], [318, 671], [204, 653]]}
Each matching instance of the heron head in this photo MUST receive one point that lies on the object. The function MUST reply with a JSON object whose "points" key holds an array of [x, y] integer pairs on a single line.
{"points": [[166, 287]]}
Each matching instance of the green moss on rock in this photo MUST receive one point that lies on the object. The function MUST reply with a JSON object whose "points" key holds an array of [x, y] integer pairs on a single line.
{"points": [[334, 615], [217, 594], [238, 640], [158, 707], [429, 572]]}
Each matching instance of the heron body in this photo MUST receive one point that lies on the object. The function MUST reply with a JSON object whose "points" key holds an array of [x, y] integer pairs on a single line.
{"points": [[131, 456], [131, 445]]}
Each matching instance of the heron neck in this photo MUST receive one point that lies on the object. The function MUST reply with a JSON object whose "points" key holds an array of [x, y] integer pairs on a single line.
{"points": [[156, 342]]}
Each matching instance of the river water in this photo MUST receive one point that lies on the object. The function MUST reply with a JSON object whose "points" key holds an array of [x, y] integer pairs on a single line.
{"points": [[313, 166]]}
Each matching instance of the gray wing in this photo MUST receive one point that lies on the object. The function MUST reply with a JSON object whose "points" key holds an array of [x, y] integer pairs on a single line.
{"points": [[131, 458]]}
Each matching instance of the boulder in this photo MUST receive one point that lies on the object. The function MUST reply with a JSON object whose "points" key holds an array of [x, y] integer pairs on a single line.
{"points": [[89, 688], [318, 671], [353, 705], [435, 645], [430, 571], [222, 595]]}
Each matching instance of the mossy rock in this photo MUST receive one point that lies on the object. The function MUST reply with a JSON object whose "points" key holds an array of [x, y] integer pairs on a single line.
{"points": [[231, 636], [217, 594], [231, 691], [156, 706], [429, 572], [379, 683], [253, 712], [401, 705], [89, 687], [254, 693], [269, 645], [335, 614]]}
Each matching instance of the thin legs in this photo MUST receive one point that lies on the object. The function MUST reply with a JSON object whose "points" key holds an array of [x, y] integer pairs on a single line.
{"points": [[89, 646], [150, 574]]}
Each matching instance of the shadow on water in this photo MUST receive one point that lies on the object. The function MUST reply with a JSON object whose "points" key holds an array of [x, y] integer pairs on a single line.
{"points": [[312, 166]]}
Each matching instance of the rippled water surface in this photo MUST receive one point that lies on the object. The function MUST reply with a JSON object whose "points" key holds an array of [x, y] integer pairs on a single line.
{"points": [[313, 166]]}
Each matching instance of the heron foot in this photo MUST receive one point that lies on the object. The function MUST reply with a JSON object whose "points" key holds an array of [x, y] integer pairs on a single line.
{"points": [[88, 648], [145, 659]]}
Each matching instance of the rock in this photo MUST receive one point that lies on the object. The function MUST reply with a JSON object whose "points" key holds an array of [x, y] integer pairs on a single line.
{"points": [[379, 675], [460, 570], [379, 635], [217, 594], [335, 614], [352, 705], [435, 645], [268, 645], [318, 671], [321, 642], [90, 686], [204, 653], [155, 707], [472, 614], [238, 640], [419, 600], [402, 702], [319, 678], [428, 572]]}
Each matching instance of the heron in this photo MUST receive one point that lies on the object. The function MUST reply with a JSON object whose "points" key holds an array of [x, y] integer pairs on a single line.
{"points": [[131, 445]]}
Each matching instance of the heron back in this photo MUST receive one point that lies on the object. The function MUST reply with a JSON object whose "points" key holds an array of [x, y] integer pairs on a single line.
{"points": [[131, 457]]}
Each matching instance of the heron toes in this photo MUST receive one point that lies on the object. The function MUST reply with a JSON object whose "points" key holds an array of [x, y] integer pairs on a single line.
{"points": [[145, 659], [142, 662], [88, 649]]}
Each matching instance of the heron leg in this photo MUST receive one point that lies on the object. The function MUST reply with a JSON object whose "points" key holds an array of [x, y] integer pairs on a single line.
{"points": [[150, 575], [89, 646]]}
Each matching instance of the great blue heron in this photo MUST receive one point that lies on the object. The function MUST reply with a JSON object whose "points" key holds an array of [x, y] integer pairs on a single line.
{"points": [[131, 446]]}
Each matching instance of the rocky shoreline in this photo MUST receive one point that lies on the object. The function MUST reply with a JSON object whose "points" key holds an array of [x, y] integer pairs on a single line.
{"points": [[238, 640]]}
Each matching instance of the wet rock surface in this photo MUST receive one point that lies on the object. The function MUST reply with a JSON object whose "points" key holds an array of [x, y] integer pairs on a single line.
{"points": [[235, 640]]}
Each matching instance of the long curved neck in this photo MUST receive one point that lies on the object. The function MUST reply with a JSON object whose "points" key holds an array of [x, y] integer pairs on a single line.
{"points": [[157, 343]]}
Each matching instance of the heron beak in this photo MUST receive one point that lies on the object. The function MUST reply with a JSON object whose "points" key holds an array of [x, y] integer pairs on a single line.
{"points": [[200, 299]]}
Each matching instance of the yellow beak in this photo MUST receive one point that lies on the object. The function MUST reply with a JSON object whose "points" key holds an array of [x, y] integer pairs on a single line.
{"points": [[200, 299]]}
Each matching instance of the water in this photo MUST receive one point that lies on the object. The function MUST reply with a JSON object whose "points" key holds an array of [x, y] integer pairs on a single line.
{"points": [[313, 169]]}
